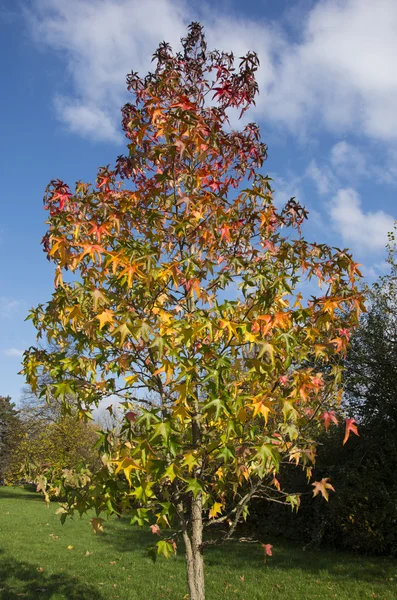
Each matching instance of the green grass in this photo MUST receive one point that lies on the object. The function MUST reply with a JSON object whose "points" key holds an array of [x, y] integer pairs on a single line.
{"points": [[35, 563]]}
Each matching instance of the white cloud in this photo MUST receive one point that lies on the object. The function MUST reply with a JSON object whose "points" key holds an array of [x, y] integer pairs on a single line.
{"points": [[8, 306], [102, 41], [87, 120], [13, 352], [366, 231], [348, 159], [342, 72], [322, 177], [339, 74]]}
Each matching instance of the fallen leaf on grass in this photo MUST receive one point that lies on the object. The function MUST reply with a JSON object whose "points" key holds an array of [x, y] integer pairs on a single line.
{"points": [[268, 549], [70, 547]]}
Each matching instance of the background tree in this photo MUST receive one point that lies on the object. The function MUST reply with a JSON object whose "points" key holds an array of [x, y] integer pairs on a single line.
{"points": [[366, 506], [148, 266], [362, 516], [10, 436], [39, 440]]}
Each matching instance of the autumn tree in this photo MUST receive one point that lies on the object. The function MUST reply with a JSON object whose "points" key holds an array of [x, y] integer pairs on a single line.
{"points": [[180, 284], [40, 441]]}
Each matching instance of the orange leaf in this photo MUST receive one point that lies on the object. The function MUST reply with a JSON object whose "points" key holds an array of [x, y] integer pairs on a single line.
{"points": [[350, 427], [322, 487]]}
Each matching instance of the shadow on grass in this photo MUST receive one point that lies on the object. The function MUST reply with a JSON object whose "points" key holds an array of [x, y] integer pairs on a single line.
{"points": [[20, 493], [23, 580], [288, 556]]}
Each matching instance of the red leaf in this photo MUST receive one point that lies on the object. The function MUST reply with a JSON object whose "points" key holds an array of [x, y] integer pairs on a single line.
{"points": [[329, 417], [268, 550], [131, 416], [350, 427]]}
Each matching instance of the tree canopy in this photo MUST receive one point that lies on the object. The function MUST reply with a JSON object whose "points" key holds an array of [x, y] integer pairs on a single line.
{"points": [[179, 283]]}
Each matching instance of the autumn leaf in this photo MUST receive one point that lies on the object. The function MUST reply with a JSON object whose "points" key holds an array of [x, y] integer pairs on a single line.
{"points": [[107, 316], [328, 418], [131, 379], [268, 551], [216, 509], [350, 427], [96, 524], [322, 487], [155, 529]]}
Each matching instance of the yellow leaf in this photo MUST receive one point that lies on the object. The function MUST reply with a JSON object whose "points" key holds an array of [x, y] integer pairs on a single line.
{"points": [[171, 472], [107, 316], [127, 465], [216, 509], [181, 412], [99, 298], [263, 408], [97, 526]]}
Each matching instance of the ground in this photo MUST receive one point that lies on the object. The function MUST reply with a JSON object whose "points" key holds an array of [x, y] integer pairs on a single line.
{"points": [[42, 559]]}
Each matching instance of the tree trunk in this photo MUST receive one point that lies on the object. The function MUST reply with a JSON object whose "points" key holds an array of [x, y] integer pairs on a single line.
{"points": [[194, 556]]}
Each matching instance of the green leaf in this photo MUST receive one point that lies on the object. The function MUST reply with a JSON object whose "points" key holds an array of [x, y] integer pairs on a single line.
{"points": [[269, 457], [165, 548], [194, 486], [225, 453], [163, 430], [218, 405]]}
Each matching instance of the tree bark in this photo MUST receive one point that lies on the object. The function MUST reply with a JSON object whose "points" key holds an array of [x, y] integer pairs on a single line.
{"points": [[193, 551]]}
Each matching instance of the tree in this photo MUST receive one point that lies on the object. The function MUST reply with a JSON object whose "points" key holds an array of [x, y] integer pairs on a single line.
{"points": [[10, 432], [51, 442], [183, 300], [367, 514], [371, 364]]}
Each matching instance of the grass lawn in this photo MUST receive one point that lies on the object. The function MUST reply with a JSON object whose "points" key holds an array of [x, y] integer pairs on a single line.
{"points": [[41, 559]]}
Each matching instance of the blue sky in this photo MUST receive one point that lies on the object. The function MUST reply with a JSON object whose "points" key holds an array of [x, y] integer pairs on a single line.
{"points": [[327, 111]]}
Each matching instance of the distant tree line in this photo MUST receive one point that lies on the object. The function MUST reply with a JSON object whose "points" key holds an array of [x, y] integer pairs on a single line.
{"points": [[37, 437]]}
